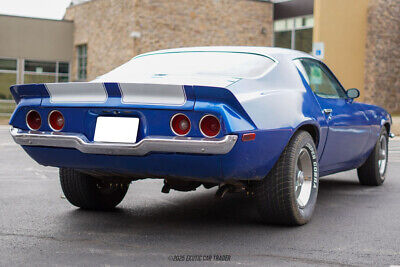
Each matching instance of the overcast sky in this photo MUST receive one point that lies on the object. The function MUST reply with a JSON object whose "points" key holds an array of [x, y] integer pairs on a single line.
{"points": [[49, 9]]}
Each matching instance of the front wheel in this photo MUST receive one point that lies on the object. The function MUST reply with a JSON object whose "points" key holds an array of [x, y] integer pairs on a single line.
{"points": [[87, 192], [289, 192], [373, 171]]}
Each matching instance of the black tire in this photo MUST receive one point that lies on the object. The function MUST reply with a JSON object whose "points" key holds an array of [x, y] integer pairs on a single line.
{"points": [[370, 172], [276, 197], [87, 192]]}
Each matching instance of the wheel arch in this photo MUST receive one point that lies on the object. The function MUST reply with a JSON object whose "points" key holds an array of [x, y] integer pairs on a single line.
{"points": [[312, 128], [387, 126]]}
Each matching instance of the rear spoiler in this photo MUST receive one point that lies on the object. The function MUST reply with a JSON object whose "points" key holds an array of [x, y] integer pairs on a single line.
{"points": [[101, 94], [28, 91]]}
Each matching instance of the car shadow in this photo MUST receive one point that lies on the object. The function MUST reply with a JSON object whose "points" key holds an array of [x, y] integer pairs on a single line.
{"points": [[198, 211], [334, 184]]}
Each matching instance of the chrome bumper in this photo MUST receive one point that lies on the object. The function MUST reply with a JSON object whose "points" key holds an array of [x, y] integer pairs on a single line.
{"points": [[149, 144]]}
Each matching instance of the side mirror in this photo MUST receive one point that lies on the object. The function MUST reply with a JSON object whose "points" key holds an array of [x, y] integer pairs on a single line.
{"points": [[353, 93]]}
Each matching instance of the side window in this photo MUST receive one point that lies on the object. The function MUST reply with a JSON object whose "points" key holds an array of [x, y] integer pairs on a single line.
{"points": [[321, 80]]}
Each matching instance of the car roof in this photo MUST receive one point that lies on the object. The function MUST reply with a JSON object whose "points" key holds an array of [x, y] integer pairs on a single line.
{"points": [[272, 52]]}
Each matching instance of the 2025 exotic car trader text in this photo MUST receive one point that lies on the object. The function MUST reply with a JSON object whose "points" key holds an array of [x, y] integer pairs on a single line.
{"points": [[270, 121]]}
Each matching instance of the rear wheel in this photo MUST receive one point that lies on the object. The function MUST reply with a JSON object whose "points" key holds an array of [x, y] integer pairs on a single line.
{"points": [[289, 192], [87, 192], [373, 171]]}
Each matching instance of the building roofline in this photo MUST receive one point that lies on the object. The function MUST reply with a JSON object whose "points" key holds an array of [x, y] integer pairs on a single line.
{"points": [[80, 4], [35, 18], [265, 1], [90, 1]]}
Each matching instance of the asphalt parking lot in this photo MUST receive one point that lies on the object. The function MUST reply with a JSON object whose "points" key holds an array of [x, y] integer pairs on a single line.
{"points": [[352, 224]]}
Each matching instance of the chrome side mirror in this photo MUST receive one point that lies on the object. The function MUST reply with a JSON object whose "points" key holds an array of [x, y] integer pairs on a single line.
{"points": [[353, 93]]}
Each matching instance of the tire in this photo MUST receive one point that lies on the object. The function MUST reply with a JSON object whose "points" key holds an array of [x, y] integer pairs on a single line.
{"points": [[87, 192], [373, 171], [276, 196]]}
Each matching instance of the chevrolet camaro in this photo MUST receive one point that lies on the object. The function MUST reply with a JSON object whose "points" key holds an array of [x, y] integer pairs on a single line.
{"points": [[268, 121]]}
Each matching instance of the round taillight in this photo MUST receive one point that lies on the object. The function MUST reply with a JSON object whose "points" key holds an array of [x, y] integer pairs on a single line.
{"points": [[33, 120], [210, 126], [180, 124], [56, 120]]}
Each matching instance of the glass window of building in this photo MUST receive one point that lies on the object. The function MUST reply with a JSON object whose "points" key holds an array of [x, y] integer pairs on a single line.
{"points": [[45, 71], [63, 72], [294, 33], [82, 61], [8, 76]]}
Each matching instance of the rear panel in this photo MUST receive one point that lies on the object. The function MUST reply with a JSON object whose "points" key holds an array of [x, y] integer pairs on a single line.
{"points": [[81, 113], [82, 103]]}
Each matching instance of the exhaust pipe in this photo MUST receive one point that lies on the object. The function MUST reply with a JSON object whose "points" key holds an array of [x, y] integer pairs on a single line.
{"points": [[229, 188]]}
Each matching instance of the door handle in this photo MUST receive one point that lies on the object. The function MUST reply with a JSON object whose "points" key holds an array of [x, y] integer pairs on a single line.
{"points": [[328, 112]]}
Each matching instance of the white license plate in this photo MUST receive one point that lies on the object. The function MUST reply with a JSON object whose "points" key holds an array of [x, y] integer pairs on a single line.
{"points": [[116, 129]]}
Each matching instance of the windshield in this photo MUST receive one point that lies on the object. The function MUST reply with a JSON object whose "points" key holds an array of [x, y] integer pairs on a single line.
{"points": [[229, 64]]}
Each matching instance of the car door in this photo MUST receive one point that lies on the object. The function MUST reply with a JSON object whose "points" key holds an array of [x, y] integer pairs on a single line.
{"points": [[348, 126]]}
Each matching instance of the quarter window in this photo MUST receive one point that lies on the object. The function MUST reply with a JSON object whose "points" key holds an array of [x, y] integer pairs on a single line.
{"points": [[82, 61], [321, 80]]}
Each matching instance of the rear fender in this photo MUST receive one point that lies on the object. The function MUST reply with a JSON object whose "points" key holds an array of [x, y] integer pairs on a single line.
{"points": [[221, 101], [28, 91], [26, 97]]}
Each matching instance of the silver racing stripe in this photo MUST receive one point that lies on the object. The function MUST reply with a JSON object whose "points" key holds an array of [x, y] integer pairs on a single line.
{"points": [[77, 92], [132, 93], [152, 94]]}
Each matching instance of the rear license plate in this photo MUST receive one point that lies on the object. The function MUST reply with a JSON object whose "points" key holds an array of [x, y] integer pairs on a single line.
{"points": [[116, 129]]}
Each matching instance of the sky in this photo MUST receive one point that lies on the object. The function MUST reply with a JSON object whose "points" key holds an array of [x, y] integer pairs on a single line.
{"points": [[48, 9]]}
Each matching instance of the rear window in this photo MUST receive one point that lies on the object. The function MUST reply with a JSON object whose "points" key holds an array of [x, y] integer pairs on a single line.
{"points": [[229, 64]]}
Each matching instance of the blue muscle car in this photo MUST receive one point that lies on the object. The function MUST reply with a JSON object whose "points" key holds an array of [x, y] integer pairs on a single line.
{"points": [[269, 121]]}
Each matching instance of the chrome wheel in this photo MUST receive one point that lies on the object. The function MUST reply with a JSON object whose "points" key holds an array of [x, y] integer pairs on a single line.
{"points": [[382, 158], [303, 179]]}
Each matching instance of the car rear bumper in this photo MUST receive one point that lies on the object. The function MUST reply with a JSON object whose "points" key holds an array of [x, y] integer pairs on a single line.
{"points": [[246, 160], [216, 146]]}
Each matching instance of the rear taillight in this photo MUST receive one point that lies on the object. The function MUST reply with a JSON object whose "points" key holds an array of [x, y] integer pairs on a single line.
{"points": [[180, 124], [33, 120], [210, 126], [56, 120]]}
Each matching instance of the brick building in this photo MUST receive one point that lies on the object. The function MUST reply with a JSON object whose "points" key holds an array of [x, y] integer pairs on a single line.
{"points": [[116, 30], [382, 60], [360, 39]]}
